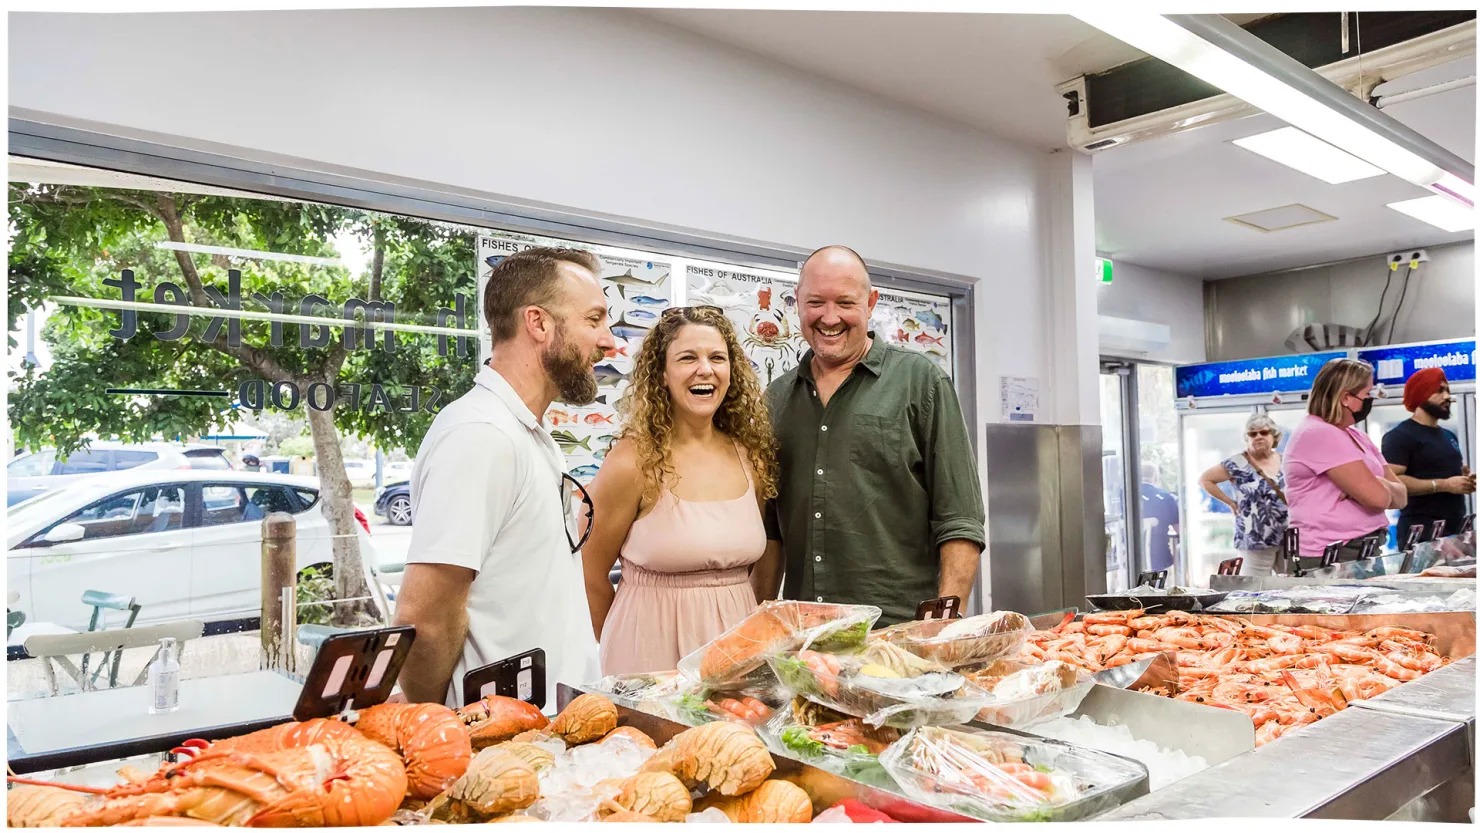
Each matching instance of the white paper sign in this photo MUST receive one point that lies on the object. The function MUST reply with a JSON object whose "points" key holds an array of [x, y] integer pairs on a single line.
{"points": [[1019, 399]]}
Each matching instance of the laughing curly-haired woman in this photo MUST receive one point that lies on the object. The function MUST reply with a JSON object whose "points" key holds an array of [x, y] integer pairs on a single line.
{"points": [[679, 496]]}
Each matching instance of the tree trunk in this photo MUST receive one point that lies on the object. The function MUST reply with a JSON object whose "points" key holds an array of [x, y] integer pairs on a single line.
{"points": [[339, 508]]}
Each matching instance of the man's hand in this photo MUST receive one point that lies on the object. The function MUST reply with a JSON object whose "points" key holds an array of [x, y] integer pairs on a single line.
{"points": [[1460, 484], [434, 600]]}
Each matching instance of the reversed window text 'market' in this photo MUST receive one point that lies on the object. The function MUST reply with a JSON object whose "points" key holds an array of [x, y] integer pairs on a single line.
{"points": [[359, 333]]}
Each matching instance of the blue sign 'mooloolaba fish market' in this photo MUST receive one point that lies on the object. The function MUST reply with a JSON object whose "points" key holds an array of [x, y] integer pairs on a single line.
{"points": [[1252, 376], [1395, 364]]}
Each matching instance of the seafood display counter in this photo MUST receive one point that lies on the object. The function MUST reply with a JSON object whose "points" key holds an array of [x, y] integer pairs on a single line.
{"points": [[804, 710], [1404, 755]]}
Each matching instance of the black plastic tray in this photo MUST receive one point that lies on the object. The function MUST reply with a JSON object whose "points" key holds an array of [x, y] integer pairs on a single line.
{"points": [[1155, 604]]}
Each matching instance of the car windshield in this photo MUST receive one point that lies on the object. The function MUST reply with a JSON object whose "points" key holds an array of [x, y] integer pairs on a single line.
{"points": [[34, 501], [36, 464]]}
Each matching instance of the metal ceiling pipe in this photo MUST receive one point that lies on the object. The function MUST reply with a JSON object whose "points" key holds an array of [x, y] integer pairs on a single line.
{"points": [[1423, 92], [1228, 37]]}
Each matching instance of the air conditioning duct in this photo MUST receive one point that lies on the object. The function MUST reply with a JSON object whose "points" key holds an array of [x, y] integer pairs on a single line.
{"points": [[1148, 98]]}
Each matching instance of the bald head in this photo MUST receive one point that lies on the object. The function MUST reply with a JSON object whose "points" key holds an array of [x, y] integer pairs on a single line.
{"points": [[836, 300], [838, 260]]}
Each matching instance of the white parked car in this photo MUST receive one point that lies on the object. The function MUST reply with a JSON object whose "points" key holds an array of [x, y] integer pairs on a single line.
{"points": [[185, 544], [396, 472], [361, 473], [28, 475]]}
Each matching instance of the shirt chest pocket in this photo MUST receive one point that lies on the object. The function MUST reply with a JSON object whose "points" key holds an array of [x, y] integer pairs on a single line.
{"points": [[876, 443]]}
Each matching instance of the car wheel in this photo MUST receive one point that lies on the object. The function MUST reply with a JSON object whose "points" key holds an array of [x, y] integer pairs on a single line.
{"points": [[398, 510]]}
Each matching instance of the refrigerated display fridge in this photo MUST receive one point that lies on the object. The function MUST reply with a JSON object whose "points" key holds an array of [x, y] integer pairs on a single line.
{"points": [[1394, 365], [1215, 399]]}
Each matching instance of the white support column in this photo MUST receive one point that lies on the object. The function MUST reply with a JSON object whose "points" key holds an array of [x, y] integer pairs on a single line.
{"points": [[1071, 348]]}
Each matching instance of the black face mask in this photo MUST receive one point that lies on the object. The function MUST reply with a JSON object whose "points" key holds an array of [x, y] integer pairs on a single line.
{"points": [[1440, 412], [1362, 412]]}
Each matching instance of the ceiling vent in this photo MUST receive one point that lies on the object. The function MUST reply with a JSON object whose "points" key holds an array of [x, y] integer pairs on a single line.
{"points": [[1279, 219], [1148, 98]]}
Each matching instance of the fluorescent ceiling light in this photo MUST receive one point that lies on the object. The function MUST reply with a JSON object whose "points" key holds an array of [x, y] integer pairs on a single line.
{"points": [[1438, 211], [1309, 155], [1156, 35], [247, 253]]}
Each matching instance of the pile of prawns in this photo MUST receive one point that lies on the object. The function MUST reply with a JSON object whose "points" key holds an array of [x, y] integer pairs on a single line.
{"points": [[1281, 676]]}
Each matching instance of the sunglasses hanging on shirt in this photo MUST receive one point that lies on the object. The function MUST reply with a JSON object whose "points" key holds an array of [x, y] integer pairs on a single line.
{"points": [[575, 502]]}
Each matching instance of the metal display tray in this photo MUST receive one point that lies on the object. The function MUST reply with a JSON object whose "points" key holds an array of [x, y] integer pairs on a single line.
{"points": [[1355, 764], [1407, 584]]}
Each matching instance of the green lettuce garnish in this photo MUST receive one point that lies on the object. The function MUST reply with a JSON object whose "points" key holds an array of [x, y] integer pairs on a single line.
{"points": [[799, 739]]}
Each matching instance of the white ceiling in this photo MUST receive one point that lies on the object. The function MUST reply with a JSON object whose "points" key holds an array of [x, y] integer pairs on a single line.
{"points": [[995, 72], [1160, 203]]}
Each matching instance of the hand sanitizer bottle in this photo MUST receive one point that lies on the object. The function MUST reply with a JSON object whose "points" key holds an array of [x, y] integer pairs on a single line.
{"points": [[164, 679]]}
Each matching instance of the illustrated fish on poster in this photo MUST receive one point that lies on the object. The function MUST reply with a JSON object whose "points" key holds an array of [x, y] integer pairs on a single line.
{"points": [[568, 441], [926, 338], [627, 279], [583, 471], [931, 319], [608, 376], [628, 329], [558, 417], [599, 454], [911, 324], [935, 351], [607, 440], [619, 350], [649, 301], [600, 419], [902, 336], [641, 315], [790, 300], [493, 260]]}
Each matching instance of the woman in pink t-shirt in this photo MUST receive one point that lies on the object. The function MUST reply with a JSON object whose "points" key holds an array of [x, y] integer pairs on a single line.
{"points": [[1337, 481]]}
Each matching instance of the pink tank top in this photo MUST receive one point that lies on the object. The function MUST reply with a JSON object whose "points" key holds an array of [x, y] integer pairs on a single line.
{"points": [[683, 536]]}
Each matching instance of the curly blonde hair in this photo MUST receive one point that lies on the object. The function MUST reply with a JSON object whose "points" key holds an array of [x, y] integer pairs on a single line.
{"points": [[647, 407]]}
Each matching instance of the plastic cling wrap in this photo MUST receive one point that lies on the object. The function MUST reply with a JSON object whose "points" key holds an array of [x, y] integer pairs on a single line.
{"points": [[644, 692], [777, 627], [831, 741], [1000, 777], [876, 693], [1023, 693], [695, 704], [958, 642]]}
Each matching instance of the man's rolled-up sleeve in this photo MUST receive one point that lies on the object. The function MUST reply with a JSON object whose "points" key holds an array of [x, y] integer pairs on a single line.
{"points": [[463, 495], [956, 510]]}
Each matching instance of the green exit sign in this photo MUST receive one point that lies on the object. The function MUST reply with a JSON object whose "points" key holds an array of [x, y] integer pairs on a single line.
{"points": [[1104, 270]]}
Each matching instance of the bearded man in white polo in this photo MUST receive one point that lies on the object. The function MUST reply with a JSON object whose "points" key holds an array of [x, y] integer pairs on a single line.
{"points": [[491, 571]]}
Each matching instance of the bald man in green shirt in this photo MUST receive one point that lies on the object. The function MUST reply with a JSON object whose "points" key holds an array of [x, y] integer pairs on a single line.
{"points": [[879, 500]]}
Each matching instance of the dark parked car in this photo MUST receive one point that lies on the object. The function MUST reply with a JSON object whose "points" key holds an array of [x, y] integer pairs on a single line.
{"points": [[393, 502]]}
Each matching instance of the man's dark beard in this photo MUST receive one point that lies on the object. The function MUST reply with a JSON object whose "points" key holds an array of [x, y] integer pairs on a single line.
{"points": [[1439, 412], [570, 371]]}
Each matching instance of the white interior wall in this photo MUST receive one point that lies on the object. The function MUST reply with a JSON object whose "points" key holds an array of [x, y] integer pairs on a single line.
{"points": [[1156, 297], [1253, 315], [595, 111], [628, 118]]}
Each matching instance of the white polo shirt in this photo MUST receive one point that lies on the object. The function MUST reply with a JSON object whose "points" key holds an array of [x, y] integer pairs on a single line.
{"points": [[486, 495]]}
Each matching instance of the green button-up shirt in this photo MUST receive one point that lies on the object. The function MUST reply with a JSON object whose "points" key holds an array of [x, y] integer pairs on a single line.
{"points": [[872, 484]]}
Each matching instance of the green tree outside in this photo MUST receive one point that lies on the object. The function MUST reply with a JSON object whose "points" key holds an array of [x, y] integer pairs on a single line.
{"points": [[69, 241]]}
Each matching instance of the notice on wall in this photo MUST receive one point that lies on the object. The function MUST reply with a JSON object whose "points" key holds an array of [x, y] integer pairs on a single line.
{"points": [[1019, 399], [637, 287]]}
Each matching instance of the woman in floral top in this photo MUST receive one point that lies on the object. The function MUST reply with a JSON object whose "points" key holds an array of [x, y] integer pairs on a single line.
{"points": [[1260, 513]]}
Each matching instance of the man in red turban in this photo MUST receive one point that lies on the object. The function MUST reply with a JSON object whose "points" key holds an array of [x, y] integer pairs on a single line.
{"points": [[1426, 457]]}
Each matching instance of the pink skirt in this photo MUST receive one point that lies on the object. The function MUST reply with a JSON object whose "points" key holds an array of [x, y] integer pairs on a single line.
{"points": [[659, 618]]}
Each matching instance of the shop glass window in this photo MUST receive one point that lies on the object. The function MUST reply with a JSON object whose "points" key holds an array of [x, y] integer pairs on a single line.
{"points": [[38, 464]]}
